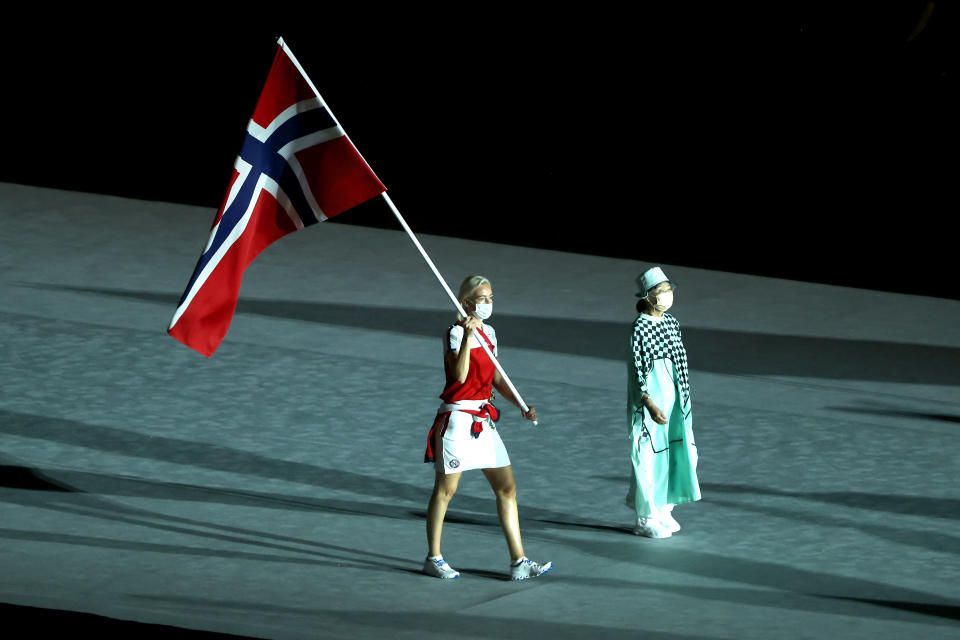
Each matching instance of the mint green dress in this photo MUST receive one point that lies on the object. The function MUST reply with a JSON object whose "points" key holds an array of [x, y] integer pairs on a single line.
{"points": [[663, 456]]}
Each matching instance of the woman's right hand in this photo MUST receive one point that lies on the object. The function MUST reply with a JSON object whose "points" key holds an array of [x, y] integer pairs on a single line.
{"points": [[470, 324]]}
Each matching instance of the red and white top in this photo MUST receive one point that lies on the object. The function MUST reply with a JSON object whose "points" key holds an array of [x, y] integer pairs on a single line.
{"points": [[479, 382], [460, 439]]}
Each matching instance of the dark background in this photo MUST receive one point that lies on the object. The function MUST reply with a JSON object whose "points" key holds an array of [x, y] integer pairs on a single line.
{"points": [[796, 141]]}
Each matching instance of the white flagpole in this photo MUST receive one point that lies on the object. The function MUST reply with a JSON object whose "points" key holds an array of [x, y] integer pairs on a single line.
{"points": [[483, 343], [403, 223]]}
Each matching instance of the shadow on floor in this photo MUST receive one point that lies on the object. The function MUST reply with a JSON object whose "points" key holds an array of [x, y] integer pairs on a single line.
{"points": [[948, 508], [215, 457], [713, 350], [912, 415], [52, 623]]}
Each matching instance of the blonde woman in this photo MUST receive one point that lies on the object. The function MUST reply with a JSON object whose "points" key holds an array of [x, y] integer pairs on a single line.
{"points": [[464, 434]]}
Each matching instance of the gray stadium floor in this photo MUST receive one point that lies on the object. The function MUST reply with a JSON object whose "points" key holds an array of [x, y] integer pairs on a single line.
{"points": [[276, 490]]}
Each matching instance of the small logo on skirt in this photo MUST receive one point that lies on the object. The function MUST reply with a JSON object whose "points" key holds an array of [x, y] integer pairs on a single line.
{"points": [[453, 464]]}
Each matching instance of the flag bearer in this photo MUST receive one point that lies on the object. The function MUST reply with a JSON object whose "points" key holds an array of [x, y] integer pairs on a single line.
{"points": [[464, 434]]}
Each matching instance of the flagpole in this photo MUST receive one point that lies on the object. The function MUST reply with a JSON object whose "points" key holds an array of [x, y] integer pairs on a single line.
{"points": [[403, 223], [443, 283]]}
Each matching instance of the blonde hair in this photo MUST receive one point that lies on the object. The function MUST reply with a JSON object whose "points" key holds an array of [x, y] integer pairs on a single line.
{"points": [[468, 286]]}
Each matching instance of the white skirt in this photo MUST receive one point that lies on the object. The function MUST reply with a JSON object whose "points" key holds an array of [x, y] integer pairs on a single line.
{"points": [[457, 450]]}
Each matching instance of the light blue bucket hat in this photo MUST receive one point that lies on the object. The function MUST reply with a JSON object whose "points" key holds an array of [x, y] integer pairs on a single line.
{"points": [[651, 278]]}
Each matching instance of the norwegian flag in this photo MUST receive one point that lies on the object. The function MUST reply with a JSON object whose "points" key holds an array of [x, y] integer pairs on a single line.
{"points": [[296, 168]]}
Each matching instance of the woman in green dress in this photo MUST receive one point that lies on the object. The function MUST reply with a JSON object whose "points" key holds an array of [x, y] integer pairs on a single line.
{"points": [[659, 419]]}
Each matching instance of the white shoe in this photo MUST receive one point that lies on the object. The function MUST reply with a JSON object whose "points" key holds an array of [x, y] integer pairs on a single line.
{"points": [[527, 568], [438, 568], [651, 528], [666, 518]]}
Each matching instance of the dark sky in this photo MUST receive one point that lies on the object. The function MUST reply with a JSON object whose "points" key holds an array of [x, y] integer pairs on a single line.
{"points": [[806, 144]]}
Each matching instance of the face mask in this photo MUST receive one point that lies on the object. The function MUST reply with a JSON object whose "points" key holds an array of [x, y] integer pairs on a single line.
{"points": [[663, 301], [483, 311]]}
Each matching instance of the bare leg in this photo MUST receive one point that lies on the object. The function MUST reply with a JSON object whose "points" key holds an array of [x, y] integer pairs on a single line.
{"points": [[444, 486], [503, 485]]}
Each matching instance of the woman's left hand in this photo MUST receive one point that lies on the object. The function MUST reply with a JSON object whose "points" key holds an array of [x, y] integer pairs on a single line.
{"points": [[531, 414]]}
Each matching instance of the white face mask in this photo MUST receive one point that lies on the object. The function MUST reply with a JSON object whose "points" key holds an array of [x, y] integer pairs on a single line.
{"points": [[483, 311], [663, 301]]}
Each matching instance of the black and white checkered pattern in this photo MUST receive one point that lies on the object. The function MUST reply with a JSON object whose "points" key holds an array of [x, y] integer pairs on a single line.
{"points": [[654, 340]]}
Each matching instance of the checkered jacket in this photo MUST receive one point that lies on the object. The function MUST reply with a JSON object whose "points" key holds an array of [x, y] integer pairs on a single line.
{"points": [[656, 340]]}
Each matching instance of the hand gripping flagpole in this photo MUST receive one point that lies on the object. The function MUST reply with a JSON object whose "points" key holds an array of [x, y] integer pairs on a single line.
{"points": [[403, 223], [443, 283]]}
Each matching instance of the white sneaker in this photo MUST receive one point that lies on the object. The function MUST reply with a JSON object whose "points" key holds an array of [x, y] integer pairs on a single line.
{"points": [[651, 528], [527, 568], [668, 521], [438, 568]]}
